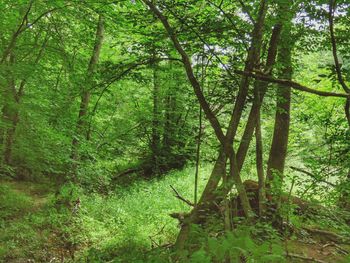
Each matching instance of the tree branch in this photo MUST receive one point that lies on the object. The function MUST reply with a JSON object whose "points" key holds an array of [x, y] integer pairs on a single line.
{"points": [[332, 6], [178, 196], [191, 77], [292, 84], [311, 175]]}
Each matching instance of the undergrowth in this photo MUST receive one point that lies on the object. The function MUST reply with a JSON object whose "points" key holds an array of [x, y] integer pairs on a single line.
{"points": [[127, 224]]}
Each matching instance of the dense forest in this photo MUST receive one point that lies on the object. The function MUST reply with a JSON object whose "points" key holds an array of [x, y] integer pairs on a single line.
{"points": [[175, 131]]}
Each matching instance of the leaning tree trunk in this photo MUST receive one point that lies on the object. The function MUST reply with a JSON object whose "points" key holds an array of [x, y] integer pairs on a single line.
{"points": [[225, 140], [251, 61], [262, 87], [278, 151], [81, 127]]}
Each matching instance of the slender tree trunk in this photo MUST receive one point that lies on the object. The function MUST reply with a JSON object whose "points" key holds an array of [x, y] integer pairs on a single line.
{"points": [[155, 143], [278, 151], [262, 87], [169, 118], [198, 149], [81, 128], [225, 140], [199, 136], [10, 135], [259, 156], [10, 111]]}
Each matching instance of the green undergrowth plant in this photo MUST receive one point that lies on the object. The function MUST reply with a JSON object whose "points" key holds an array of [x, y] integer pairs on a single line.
{"points": [[245, 243], [132, 220]]}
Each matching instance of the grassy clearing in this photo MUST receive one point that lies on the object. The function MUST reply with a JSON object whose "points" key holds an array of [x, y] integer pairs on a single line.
{"points": [[137, 217]]}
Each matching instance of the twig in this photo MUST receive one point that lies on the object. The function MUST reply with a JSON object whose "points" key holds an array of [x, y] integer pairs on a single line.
{"points": [[311, 175], [342, 250], [177, 195], [292, 255], [246, 10], [330, 235]]}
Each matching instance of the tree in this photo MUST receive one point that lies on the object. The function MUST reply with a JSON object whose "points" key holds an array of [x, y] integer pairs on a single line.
{"points": [[87, 85]]}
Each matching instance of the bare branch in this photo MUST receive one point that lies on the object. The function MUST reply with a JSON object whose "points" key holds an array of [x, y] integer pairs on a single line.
{"points": [[311, 175], [245, 10], [178, 196]]}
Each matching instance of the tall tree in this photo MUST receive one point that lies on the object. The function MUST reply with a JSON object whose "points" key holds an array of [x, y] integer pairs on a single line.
{"points": [[155, 140], [81, 126]]}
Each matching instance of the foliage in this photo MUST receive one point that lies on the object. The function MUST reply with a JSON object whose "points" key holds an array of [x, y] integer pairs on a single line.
{"points": [[104, 104]]}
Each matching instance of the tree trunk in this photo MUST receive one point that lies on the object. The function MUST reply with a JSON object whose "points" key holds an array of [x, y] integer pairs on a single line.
{"points": [[155, 143], [10, 110], [262, 86], [278, 151], [199, 136], [10, 135], [226, 141], [81, 128], [259, 156]]}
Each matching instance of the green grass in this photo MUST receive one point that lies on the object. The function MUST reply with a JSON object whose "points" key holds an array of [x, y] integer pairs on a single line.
{"points": [[20, 233], [136, 217], [121, 225]]}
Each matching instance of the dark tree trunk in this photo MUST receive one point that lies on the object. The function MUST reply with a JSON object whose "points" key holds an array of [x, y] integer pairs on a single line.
{"points": [[278, 151]]}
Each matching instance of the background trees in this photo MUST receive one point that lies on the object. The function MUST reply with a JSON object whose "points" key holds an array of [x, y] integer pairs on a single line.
{"points": [[100, 95]]}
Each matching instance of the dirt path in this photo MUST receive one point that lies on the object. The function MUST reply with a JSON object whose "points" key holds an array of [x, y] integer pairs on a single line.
{"points": [[38, 197], [26, 233]]}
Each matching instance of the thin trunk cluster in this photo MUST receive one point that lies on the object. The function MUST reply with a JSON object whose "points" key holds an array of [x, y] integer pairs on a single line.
{"points": [[213, 191]]}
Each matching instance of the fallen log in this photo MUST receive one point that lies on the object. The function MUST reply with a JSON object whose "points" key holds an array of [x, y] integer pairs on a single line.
{"points": [[125, 172]]}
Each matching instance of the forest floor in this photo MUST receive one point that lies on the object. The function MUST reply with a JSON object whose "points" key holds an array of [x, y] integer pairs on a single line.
{"points": [[26, 235], [132, 222]]}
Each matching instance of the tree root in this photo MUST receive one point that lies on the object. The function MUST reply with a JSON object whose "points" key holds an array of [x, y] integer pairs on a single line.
{"points": [[292, 255], [329, 235]]}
